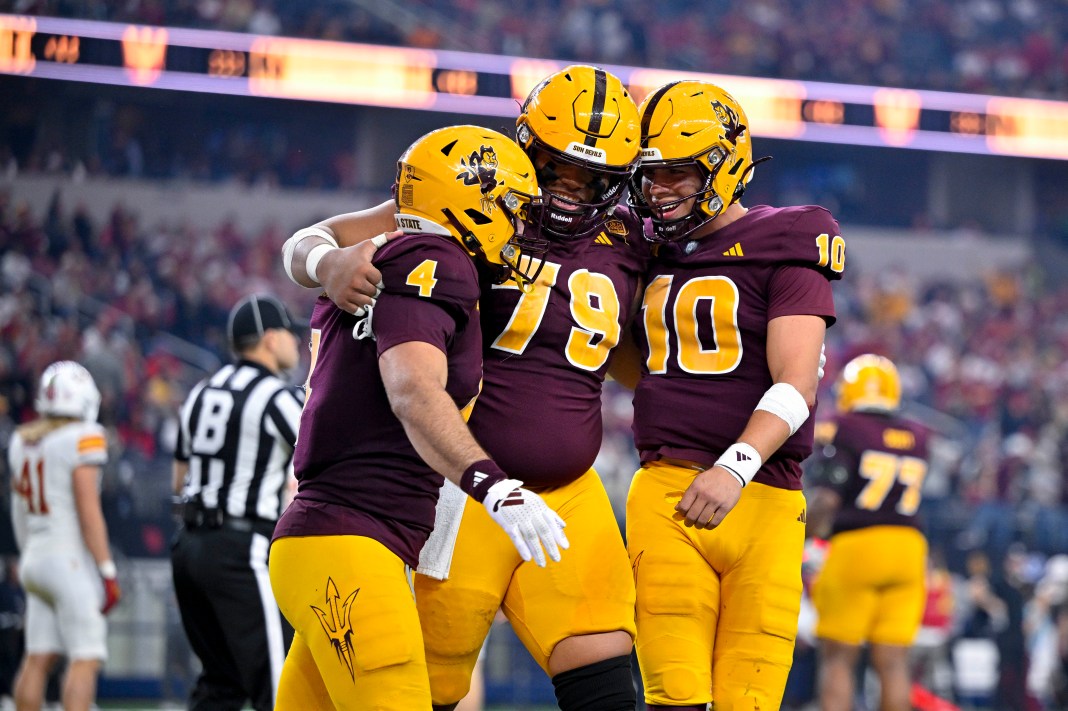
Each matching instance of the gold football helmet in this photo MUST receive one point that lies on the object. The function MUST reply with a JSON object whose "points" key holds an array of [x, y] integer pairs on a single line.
{"points": [[694, 123], [582, 116], [476, 185], [869, 383]]}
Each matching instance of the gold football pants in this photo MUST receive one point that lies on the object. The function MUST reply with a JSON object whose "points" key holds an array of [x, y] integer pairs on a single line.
{"points": [[589, 591], [357, 643], [717, 609], [873, 586]]}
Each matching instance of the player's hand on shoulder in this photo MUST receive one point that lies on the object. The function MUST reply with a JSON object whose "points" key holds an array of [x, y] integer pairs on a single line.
{"points": [[709, 498], [348, 276], [533, 527]]}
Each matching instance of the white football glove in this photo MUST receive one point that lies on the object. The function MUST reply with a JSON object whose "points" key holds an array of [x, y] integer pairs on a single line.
{"points": [[823, 361], [527, 520]]}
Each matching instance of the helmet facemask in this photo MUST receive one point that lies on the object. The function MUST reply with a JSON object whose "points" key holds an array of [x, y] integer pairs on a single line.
{"points": [[707, 204], [693, 123], [568, 217], [520, 258]]}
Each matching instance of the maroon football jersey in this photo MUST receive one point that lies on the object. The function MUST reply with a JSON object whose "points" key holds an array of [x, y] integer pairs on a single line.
{"points": [[357, 472], [877, 463], [703, 332], [546, 353]]}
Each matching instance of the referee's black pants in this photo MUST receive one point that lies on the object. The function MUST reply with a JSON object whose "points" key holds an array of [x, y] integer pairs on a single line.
{"points": [[229, 614]]}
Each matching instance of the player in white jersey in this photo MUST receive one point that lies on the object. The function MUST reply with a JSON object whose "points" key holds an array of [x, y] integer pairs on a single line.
{"points": [[65, 562]]}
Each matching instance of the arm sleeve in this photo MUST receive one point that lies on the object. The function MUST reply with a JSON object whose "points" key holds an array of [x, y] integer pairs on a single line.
{"points": [[285, 413], [182, 450], [92, 447], [18, 513], [797, 290], [431, 290]]}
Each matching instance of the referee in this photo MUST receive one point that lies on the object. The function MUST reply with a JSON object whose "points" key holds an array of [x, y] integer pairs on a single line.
{"points": [[231, 470]]}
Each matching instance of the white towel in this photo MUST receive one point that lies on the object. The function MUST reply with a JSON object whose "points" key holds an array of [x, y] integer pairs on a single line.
{"points": [[436, 557]]}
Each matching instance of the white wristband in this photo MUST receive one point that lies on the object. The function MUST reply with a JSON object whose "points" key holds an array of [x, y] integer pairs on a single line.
{"points": [[291, 245], [311, 264], [741, 460], [787, 403], [108, 570]]}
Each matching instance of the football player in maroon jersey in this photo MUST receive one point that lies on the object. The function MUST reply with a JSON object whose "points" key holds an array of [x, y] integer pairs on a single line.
{"points": [[736, 304], [869, 473], [383, 423], [546, 353]]}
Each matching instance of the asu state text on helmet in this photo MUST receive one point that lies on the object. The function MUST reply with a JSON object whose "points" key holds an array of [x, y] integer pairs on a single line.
{"points": [[869, 383], [694, 123], [67, 389], [478, 186], [582, 116]]}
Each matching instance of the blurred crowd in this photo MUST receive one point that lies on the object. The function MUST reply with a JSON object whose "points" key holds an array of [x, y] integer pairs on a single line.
{"points": [[203, 141], [1011, 47], [144, 308]]}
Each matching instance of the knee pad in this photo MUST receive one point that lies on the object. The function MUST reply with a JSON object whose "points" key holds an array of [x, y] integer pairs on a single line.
{"points": [[602, 686], [448, 685]]}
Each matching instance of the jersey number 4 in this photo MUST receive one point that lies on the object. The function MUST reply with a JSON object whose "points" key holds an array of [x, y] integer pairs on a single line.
{"points": [[24, 487], [594, 311]]}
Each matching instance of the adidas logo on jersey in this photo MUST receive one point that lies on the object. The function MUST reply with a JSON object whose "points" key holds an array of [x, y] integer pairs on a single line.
{"points": [[803, 516], [735, 251], [603, 239]]}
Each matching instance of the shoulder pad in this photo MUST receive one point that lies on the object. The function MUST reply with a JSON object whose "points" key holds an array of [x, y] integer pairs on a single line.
{"points": [[430, 267], [805, 236]]}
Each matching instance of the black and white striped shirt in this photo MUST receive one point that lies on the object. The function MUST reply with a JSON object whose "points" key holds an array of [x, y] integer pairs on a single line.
{"points": [[238, 429]]}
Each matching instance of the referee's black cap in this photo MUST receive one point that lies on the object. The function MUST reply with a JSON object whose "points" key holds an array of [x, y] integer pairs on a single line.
{"points": [[254, 315]]}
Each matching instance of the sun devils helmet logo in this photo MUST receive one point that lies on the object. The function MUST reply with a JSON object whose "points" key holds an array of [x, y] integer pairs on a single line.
{"points": [[729, 118], [480, 168]]}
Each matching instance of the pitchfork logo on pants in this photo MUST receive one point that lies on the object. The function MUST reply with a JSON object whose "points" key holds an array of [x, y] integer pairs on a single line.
{"points": [[337, 626]]}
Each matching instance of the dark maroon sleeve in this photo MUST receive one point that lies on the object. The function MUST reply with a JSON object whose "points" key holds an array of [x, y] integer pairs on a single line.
{"points": [[814, 239], [431, 306], [796, 290], [400, 319]]}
